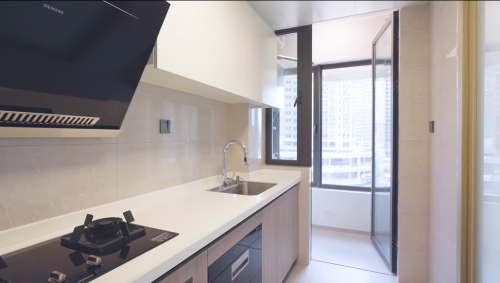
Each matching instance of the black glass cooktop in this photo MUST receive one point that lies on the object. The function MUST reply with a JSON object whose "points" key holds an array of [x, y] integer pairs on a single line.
{"points": [[37, 263]]}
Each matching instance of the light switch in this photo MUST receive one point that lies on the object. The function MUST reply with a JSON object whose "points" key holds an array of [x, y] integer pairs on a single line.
{"points": [[164, 126]]}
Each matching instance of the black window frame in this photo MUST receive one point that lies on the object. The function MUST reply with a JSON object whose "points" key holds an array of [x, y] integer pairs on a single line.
{"points": [[317, 180], [304, 109]]}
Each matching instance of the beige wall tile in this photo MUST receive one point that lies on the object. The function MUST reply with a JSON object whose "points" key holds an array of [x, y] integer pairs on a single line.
{"points": [[413, 158], [239, 125], [414, 48], [43, 178], [414, 122], [25, 195], [414, 85], [206, 159], [222, 122], [142, 121], [416, 17], [77, 176], [5, 222], [413, 230], [202, 121], [412, 266], [413, 195], [176, 110], [146, 167]]}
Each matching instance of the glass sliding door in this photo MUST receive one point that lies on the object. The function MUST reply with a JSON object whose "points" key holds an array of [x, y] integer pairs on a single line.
{"points": [[488, 144], [385, 137]]}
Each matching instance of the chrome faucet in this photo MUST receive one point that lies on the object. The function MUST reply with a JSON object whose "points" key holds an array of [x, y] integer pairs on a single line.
{"points": [[225, 179]]}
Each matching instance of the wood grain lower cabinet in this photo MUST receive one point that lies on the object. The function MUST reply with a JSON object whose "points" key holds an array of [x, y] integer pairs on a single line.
{"points": [[193, 271], [280, 236], [280, 243]]}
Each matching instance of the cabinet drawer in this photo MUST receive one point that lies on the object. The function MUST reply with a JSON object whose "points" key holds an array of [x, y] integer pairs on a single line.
{"points": [[233, 237], [229, 260], [247, 267], [192, 271]]}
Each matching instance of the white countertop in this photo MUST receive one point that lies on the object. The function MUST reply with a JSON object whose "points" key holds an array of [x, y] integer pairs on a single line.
{"points": [[197, 215]]}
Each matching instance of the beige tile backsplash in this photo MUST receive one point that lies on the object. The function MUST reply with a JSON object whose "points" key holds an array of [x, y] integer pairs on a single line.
{"points": [[43, 178]]}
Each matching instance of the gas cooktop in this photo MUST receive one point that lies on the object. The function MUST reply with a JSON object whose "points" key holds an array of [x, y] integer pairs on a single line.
{"points": [[93, 249]]}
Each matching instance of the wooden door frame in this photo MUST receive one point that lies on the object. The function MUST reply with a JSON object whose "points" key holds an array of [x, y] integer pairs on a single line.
{"points": [[468, 40]]}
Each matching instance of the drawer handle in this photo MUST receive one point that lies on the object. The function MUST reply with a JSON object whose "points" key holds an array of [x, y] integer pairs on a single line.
{"points": [[240, 264]]}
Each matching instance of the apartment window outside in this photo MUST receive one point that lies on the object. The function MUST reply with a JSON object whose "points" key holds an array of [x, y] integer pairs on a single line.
{"points": [[346, 125]]}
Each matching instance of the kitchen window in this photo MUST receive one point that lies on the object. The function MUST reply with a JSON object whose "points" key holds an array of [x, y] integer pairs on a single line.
{"points": [[284, 144]]}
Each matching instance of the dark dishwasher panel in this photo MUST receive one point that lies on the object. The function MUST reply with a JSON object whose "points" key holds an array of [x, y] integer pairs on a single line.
{"points": [[244, 272], [240, 264]]}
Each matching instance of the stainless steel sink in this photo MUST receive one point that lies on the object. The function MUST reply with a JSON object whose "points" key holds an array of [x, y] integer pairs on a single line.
{"points": [[245, 188]]}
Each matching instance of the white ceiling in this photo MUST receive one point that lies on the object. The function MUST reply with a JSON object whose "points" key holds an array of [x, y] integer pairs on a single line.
{"points": [[286, 14]]}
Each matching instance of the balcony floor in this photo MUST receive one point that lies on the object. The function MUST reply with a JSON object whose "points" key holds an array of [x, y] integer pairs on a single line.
{"points": [[346, 249]]}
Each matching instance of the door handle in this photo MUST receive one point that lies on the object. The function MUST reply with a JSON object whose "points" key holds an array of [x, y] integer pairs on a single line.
{"points": [[298, 100], [240, 264]]}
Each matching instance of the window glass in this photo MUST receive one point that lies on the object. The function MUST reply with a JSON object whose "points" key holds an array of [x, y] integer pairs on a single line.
{"points": [[285, 117], [347, 126]]}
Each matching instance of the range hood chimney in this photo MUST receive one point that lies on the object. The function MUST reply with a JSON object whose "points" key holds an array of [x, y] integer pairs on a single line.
{"points": [[71, 68]]}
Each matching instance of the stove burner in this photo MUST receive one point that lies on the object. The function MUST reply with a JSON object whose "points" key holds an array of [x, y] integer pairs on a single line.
{"points": [[104, 227], [79, 256], [105, 223], [106, 235]]}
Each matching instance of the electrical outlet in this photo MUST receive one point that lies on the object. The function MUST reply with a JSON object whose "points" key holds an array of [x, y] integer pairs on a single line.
{"points": [[164, 126]]}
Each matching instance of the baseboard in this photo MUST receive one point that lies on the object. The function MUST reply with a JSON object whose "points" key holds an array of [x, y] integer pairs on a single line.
{"points": [[341, 230]]}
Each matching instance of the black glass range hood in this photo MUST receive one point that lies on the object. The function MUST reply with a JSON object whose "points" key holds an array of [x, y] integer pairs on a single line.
{"points": [[70, 68]]}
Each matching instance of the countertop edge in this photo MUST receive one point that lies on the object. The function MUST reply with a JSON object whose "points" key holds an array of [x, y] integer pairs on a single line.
{"points": [[159, 270], [156, 262]]}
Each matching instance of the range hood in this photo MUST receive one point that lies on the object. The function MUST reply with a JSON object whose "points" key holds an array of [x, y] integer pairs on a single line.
{"points": [[71, 68]]}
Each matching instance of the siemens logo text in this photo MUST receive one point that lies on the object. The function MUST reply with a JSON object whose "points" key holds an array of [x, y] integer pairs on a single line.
{"points": [[53, 9]]}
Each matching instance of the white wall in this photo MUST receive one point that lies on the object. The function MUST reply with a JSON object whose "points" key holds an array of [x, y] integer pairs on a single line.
{"points": [[345, 40], [445, 143], [341, 209], [224, 45]]}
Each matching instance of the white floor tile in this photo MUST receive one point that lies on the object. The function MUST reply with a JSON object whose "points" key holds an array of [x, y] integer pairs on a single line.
{"points": [[319, 272], [347, 249], [361, 276]]}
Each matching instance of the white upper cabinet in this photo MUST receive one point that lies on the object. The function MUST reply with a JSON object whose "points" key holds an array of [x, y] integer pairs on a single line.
{"points": [[218, 49]]}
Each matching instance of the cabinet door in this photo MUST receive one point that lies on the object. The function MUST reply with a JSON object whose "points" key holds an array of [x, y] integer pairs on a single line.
{"points": [[290, 243], [279, 236], [193, 271]]}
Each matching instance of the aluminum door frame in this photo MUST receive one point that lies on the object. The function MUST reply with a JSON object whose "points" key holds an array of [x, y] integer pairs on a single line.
{"points": [[393, 21]]}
